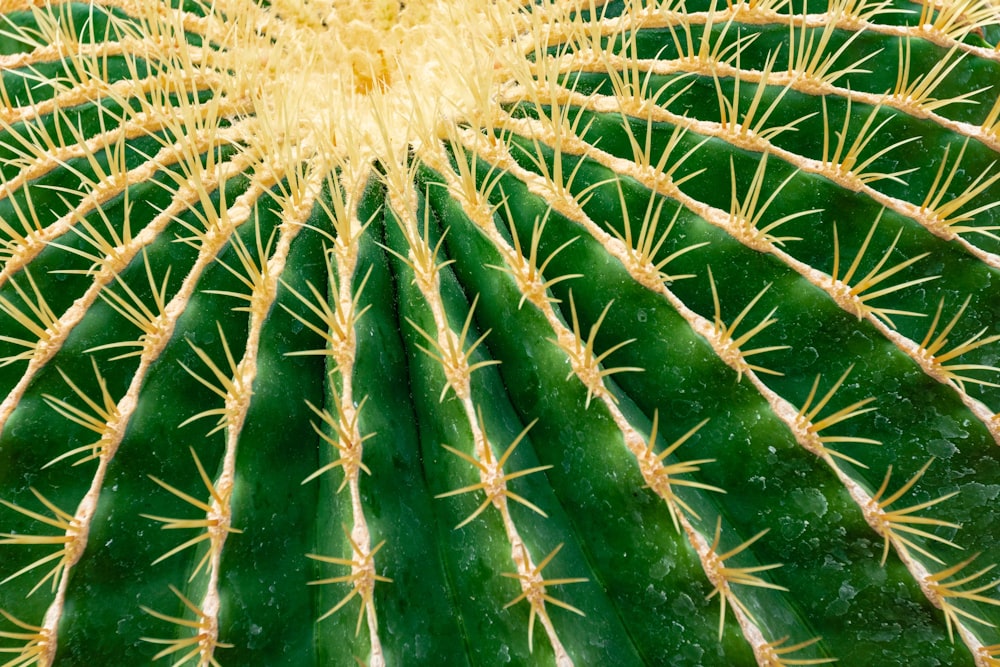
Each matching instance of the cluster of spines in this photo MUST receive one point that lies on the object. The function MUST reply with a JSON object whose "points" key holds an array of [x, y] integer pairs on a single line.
{"points": [[449, 348], [852, 298], [660, 475], [337, 325], [195, 132], [452, 352], [936, 213]]}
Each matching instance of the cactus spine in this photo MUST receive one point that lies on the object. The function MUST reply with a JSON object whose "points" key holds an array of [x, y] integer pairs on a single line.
{"points": [[561, 332]]}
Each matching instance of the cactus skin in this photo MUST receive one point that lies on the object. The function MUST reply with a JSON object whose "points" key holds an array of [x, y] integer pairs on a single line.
{"points": [[215, 287]]}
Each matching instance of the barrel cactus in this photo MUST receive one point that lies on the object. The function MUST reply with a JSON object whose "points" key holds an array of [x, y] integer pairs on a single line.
{"points": [[343, 331]]}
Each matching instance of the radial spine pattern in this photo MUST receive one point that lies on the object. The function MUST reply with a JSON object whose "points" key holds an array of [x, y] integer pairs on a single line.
{"points": [[569, 332]]}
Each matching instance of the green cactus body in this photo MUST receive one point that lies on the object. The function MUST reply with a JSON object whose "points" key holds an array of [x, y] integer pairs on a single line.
{"points": [[552, 332]]}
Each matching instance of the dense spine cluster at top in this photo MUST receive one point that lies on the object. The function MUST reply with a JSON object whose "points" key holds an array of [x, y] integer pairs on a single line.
{"points": [[552, 332]]}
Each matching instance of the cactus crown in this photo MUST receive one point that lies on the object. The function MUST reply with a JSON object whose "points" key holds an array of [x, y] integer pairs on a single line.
{"points": [[566, 332]]}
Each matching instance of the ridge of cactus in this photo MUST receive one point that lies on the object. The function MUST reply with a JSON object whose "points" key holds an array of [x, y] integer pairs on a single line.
{"points": [[563, 332]]}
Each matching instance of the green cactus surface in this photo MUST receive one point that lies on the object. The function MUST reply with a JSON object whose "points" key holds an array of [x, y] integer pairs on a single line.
{"points": [[448, 332]]}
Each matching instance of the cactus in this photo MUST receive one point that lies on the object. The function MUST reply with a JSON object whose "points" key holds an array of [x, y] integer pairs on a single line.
{"points": [[440, 332]]}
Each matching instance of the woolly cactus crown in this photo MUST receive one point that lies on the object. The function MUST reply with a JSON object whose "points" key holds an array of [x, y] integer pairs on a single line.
{"points": [[569, 332]]}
